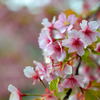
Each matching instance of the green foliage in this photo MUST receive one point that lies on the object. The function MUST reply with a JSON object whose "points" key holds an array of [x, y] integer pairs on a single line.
{"points": [[87, 59], [54, 84], [95, 84], [92, 95]]}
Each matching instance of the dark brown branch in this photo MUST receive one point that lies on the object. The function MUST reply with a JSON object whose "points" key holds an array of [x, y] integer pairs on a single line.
{"points": [[77, 72], [68, 94], [77, 69]]}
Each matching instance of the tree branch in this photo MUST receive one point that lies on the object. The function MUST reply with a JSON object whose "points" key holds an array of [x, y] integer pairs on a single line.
{"points": [[77, 69], [77, 73]]}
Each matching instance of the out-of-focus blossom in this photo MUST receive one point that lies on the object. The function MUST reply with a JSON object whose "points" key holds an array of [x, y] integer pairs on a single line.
{"points": [[47, 24], [63, 23], [98, 47], [89, 33], [87, 73], [15, 93], [74, 43]]}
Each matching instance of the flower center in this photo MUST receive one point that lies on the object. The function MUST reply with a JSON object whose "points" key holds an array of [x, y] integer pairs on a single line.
{"points": [[66, 23], [87, 32], [76, 42]]}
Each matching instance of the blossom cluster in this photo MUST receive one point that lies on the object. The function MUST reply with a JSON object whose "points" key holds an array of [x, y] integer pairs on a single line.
{"points": [[64, 41]]}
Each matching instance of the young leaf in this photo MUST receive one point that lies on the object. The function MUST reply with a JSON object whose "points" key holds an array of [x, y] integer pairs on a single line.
{"points": [[54, 84], [92, 95]]}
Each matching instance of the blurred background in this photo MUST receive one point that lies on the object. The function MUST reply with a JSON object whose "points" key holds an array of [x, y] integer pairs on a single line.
{"points": [[20, 24]]}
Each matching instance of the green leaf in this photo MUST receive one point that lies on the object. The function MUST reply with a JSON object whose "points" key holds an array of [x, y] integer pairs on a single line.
{"points": [[87, 59], [95, 52], [92, 95], [95, 84], [54, 84]]}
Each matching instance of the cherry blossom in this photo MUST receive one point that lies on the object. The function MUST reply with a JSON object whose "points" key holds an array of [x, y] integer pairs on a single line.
{"points": [[44, 71], [45, 39], [89, 33], [15, 93], [48, 25], [63, 72], [63, 23], [73, 81], [30, 73], [74, 43], [56, 51]]}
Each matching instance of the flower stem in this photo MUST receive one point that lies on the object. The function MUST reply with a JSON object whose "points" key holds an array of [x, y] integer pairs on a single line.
{"points": [[31, 95], [42, 83]]}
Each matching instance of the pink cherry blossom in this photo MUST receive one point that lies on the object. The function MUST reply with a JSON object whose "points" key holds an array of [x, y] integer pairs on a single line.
{"points": [[30, 73], [15, 93], [89, 33], [56, 51], [48, 25], [67, 70], [63, 23], [87, 73], [73, 81], [74, 43], [44, 39], [44, 71]]}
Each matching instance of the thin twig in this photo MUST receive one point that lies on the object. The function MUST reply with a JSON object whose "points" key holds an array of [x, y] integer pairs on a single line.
{"points": [[42, 83]]}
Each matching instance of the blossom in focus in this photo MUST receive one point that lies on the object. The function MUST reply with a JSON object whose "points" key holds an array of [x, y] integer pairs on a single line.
{"points": [[63, 23], [56, 51], [44, 71], [30, 73], [15, 93], [44, 39], [89, 33], [74, 43]]}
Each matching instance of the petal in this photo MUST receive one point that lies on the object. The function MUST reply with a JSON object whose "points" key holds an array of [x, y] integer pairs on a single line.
{"points": [[58, 24], [45, 22], [62, 56], [80, 52], [12, 88], [72, 19], [29, 72], [63, 29], [94, 25], [68, 69], [83, 24], [62, 17], [53, 20], [14, 96]]}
